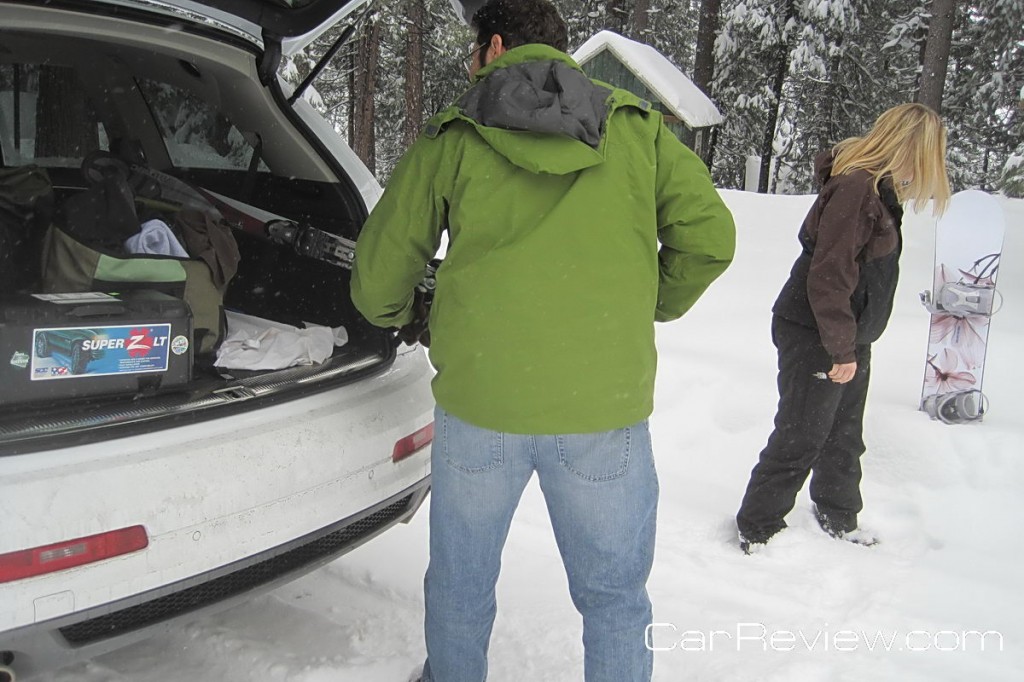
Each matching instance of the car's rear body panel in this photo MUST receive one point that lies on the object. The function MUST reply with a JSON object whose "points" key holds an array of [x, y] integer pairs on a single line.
{"points": [[210, 495]]}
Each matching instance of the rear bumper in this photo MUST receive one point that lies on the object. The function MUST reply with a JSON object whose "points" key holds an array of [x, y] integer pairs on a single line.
{"points": [[230, 506], [86, 634]]}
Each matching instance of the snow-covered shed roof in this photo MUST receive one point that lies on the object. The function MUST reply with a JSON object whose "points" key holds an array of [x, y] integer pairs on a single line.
{"points": [[673, 88]]}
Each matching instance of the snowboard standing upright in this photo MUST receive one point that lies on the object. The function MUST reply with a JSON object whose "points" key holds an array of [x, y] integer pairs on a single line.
{"points": [[968, 246]]}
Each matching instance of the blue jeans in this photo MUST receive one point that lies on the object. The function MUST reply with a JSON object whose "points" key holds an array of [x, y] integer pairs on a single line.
{"points": [[601, 491]]}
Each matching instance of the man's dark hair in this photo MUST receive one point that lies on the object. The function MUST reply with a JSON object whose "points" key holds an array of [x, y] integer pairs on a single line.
{"points": [[519, 22]]}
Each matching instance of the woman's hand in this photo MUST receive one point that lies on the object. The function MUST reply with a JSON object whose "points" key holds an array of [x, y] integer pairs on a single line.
{"points": [[842, 373]]}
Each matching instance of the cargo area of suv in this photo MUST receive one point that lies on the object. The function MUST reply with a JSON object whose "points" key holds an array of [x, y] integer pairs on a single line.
{"points": [[72, 85]]}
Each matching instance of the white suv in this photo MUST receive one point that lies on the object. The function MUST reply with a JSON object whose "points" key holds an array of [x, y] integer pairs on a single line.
{"points": [[124, 513]]}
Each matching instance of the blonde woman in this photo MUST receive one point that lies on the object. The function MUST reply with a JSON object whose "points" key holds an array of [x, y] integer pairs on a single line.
{"points": [[835, 304]]}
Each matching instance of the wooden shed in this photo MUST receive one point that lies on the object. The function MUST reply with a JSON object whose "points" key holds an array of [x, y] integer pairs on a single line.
{"points": [[644, 71]]}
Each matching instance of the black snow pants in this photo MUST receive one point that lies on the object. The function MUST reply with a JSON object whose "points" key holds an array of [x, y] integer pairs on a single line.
{"points": [[818, 431]]}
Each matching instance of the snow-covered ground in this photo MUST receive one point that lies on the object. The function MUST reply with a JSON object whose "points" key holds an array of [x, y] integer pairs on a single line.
{"points": [[939, 599]]}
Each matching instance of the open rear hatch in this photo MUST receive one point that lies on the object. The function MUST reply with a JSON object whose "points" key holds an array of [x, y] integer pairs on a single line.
{"points": [[183, 106]]}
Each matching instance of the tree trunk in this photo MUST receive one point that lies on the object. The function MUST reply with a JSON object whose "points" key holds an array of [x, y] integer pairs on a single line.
{"points": [[704, 57], [781, 61], [416, 19], [617, 14], [639, 19], [364, 86], [835, 98], [704, 60], [350, 102], [65, 124], [936, 54]]}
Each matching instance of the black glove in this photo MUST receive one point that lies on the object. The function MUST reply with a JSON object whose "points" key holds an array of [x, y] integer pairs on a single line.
{"points": [[417, 331]]}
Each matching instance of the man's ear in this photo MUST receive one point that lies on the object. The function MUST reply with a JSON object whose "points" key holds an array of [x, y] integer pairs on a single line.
{"points": [[497, 46]]}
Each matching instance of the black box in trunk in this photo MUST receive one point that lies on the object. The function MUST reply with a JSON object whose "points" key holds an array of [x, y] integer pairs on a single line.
{"points": [[65, 346]]}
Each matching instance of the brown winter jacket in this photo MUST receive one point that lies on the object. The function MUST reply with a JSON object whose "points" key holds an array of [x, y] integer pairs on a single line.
{"points": [[843, 282]]}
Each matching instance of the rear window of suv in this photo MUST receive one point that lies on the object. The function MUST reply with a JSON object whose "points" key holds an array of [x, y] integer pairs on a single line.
{"points": [[47, 119], [195, 133]]}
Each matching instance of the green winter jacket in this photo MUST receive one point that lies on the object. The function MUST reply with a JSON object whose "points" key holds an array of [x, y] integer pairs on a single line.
{"points": [[555, 191]]}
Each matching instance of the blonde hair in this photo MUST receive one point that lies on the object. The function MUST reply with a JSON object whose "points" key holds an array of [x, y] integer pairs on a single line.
{"points": [[907, 140]]}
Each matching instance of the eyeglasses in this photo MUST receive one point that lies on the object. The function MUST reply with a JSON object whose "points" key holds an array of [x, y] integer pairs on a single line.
{"points": [[467, 61]]}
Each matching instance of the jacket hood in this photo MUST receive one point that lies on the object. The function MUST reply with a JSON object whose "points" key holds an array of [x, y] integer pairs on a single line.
{"points": [[534, 106], [823, 167]]}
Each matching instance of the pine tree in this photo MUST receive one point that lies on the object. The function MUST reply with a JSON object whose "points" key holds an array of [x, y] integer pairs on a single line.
{"points": [[1011, 181], [828, 67], [982, 106], [842, 62], [751, 53]]}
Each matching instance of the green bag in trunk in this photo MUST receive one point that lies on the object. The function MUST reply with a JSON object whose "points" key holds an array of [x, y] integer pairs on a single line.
{"points": [[70, 266]]}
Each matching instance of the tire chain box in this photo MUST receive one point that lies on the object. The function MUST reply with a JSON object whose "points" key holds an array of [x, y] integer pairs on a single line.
{"points": [[67, 346]]}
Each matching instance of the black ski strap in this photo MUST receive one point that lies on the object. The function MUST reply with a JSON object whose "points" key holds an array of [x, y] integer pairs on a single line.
{"points": [[249, 186]]}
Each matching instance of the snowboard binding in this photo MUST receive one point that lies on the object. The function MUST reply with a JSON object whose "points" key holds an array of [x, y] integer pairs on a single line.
{"points": [[958, 407], [961, 299]]}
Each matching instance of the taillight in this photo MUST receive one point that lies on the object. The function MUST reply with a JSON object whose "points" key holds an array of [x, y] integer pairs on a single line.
{"points": [[57, 557], [413, 442]]}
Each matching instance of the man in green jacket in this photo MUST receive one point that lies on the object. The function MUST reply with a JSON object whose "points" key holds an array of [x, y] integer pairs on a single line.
{"points": [[555, 192]]}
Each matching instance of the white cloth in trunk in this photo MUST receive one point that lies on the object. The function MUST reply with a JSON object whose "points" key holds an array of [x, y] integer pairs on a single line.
{"points": [[155, 237], [257, 344]]}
